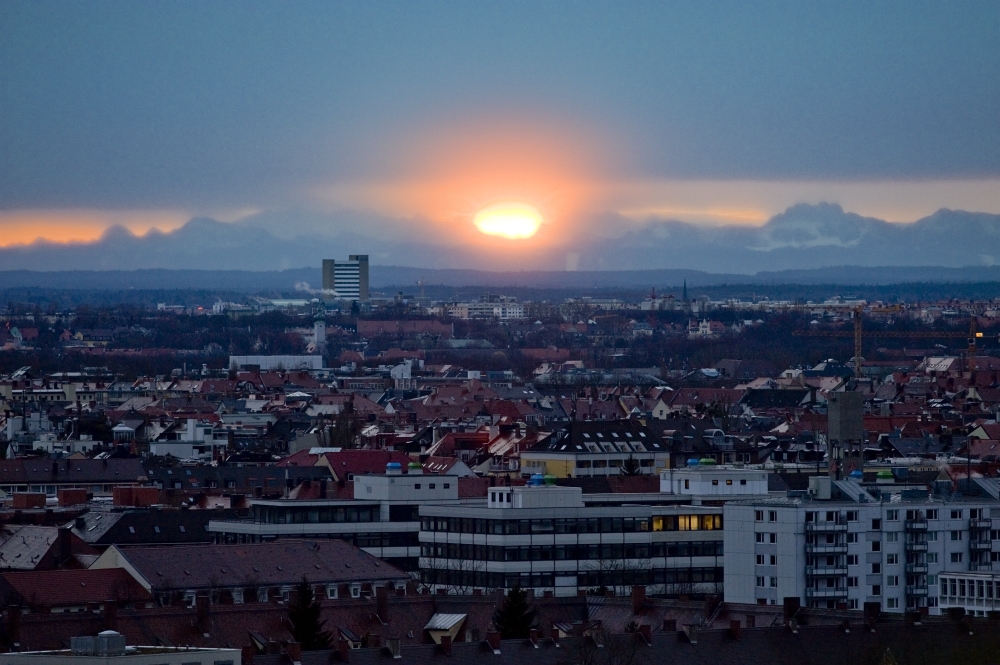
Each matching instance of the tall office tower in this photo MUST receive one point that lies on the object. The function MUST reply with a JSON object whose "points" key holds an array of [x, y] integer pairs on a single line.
{"points": [[348, 278]]}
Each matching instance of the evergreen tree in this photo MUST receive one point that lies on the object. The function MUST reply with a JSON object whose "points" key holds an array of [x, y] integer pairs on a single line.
{"points": [[630, 467], [515, 616], [304, 613]]}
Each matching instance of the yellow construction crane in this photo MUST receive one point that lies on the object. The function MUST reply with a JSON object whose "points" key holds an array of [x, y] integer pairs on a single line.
{"points": [[859, 333]]}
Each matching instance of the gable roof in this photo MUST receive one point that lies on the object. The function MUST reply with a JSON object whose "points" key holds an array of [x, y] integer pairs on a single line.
{"points": [[284, 562], [60, 588]]}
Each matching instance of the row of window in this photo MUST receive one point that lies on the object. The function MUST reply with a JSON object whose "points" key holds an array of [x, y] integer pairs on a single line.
{"points": [[961, 588], [282, 515], [369, 540], [612, 463], [628, 551], [890, 515], [596, 578], [572, 525]]}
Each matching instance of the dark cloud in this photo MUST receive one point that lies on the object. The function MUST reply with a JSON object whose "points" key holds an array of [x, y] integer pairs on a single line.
{"points": [[110, 104]]}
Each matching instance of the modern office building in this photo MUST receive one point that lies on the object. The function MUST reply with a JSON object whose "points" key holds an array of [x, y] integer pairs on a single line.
{"points": [[348, 279], [840, 546], [382, 519], [546, 538]]}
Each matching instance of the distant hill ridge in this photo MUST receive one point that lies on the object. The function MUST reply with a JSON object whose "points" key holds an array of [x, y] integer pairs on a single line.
{"points": [[385, 277], [800, 239]]}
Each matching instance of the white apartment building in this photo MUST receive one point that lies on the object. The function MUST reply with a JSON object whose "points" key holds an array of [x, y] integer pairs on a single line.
{"points": [[844, 553], [503, 308], [197, 441]]}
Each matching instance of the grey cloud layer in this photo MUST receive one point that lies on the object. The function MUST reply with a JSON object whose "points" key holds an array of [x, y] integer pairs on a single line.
{"points": [[109, 104]]}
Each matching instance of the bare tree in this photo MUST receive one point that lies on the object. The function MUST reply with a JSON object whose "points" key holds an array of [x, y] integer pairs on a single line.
{"points": [[620, 573]]}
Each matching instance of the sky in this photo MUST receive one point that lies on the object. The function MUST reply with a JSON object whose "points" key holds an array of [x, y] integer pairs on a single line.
{"points": [[146, 114]]}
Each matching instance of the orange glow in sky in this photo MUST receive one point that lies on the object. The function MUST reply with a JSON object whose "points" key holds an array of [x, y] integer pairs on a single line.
{"points": [[511, 220], [23, 227]]}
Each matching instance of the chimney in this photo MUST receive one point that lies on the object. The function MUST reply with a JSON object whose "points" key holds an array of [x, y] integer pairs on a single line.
{"points": [[343, 649], [294, 651], [382, 603], [14, 625], [493, 638], [65, 537], [555, 635], [393, 645], [201, 609], [110, 615], [691, 630], [669, 625], [446, 644], [247, 654], [791, 606], [647, 633], [638, 598], [735, 629], [533, 637], [374, 641]]}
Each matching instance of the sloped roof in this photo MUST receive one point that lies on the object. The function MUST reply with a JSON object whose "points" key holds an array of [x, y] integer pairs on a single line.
{"points": [[60, 588], [284, 562], [24, 547]]}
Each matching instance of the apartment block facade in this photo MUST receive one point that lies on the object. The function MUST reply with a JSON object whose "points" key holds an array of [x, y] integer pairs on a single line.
{"points": [[835, 553]]}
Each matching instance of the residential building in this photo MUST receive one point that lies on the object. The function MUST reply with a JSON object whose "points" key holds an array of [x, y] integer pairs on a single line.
{"points": [[249, 573], [596, 448], [853, 549]]}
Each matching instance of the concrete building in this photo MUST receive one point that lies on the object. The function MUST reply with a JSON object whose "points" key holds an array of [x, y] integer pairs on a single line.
{"points": [[841, 547], [382, 519], [348, 279], [545, 538], [978, 594]]}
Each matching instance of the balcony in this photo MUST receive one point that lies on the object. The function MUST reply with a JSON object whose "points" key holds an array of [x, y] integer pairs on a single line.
{"points": [[827, 548], [830, 592], [980, 565], [913, 590], [915, 525], [916, 547], [826, 571], [916, 568], [980, 545], [981, 524], [825, 527]]}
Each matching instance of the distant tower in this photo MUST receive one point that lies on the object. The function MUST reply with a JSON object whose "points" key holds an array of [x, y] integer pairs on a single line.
{"points": [[348, 278], [845, 433], [684, 297]]}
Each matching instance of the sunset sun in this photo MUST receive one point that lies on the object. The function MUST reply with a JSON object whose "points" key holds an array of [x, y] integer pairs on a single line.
{"points": [[511, 220]]}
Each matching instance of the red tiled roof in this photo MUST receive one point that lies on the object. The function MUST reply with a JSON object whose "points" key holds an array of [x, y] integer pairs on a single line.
{"points": [[61, 588]]}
